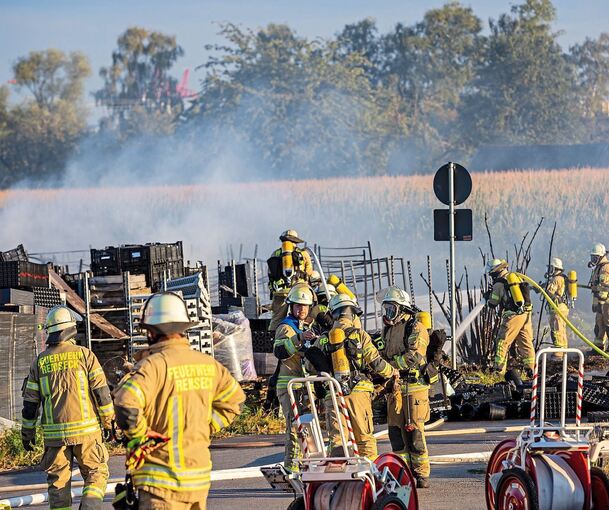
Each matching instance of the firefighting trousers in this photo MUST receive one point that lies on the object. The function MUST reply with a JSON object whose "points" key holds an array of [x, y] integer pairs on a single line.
{"points": [[359, 407], [292, 443], [403, 411], [279, 309], [516, 328], [148, 501], [558, 328], [92, 459], [601, 326]]}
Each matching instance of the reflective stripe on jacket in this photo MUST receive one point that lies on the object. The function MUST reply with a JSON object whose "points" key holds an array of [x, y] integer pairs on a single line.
{"points": [[185, 395], [67, 381]]}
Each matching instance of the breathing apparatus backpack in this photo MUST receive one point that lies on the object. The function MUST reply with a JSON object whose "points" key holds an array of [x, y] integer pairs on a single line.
{"points": [[283, 264], [519, 292]]}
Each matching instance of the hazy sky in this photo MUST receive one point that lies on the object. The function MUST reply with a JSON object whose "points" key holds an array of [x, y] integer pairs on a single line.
{"points": [[92, 26]]}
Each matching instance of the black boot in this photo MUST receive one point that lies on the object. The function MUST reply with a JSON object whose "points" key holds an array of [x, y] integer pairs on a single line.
{"points": [[422, 483]]}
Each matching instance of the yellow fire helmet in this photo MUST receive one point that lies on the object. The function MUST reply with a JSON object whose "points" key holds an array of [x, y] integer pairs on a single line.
{"points": [[291, 235], [300, 294], [59, 318], [165, 313]]}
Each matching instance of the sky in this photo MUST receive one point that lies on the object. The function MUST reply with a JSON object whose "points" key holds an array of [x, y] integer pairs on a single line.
{"points": [[92, 26]]}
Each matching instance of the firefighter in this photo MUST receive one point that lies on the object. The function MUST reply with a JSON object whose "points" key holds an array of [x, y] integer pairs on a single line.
{"points": [[67, 381], [178, 394], [354, 360], [599, 283], [288, 265], [291, 339], [405, 340], [556, 287], [513, 297]]}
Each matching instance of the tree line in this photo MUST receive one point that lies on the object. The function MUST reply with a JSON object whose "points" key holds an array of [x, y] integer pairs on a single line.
{"points": [[360, 103]]}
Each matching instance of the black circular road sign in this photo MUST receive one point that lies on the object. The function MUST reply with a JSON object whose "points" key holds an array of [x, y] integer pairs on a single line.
{"points": [[462, 182]]}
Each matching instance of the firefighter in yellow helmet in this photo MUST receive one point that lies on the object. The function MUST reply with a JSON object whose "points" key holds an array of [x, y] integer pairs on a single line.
{"points": [[599, 283], [292, 337], [178, 394], [405, 340], [287, 265], [556, 287], [67, 381], [512, 296], [354, 360]]}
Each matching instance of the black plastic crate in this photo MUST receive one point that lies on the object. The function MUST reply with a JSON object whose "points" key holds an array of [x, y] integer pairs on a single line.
{"points": [[106, 262], [553, 404], [18, 273], [18, 253], [16, 297], [46, 297]]}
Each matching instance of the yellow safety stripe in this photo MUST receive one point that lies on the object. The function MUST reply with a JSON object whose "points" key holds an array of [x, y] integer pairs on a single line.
{"points": [[399, 360], [106, 410], [28, 424], [414, 387], [282, 381], [93, 491], [48, 401], [162, 477], [94, 373], [62, 434], [133, 388], [387, 371], [288, 344], [176, 425], [139, 430], [70, 425], [32, 385], [218, 422], [84, 400], [363, 386], [227, 394]]}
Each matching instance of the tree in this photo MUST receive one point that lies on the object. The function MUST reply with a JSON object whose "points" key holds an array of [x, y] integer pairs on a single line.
{"points": [[362, 38], [138, 83], [430, 63], [591, 60], [524, 91], [38, 135], [297, 106], [52, 76]]}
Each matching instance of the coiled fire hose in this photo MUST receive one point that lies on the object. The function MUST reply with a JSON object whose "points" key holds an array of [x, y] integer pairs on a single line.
{"points": [[557, 310]]}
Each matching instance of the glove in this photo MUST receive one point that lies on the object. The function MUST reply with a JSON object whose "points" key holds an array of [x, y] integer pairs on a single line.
{"points": [[138, 448], [28, 444], [486, 295], [108, 435]]}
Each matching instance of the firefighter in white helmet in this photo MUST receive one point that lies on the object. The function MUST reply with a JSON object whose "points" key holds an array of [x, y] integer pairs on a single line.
{"points": [[599, 283], [512, 295], [168, 408], [292, 337], [404, 341], [67, 381], [556, 287], [353, 360]]}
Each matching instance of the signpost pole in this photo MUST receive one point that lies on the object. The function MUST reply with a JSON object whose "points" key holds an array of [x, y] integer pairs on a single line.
{"points": [[452, 290]]}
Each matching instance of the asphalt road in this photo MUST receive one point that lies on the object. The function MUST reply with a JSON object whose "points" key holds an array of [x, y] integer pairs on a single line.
{"points": [[455, 486]]}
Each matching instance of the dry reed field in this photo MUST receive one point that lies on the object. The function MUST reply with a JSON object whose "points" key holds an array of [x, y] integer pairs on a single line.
{"points": [[393, 212]]}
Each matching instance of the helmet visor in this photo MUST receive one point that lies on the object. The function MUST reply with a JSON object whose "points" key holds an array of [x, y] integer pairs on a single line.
{"points": [[391, 311]]}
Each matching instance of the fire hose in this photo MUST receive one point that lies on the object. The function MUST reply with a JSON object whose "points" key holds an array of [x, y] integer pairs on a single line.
{"points": [[560, 314]]}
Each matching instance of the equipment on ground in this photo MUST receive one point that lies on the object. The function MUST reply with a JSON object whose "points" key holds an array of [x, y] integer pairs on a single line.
{"points": [[347, 481], [547, 467]]}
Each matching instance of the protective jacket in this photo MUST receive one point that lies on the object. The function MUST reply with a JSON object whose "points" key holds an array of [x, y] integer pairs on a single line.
{"points": [[184, 395], [405, 347], [556, 288], [288, 341], [70, 385], [364, 358], [303, 267], [599, 281]]}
